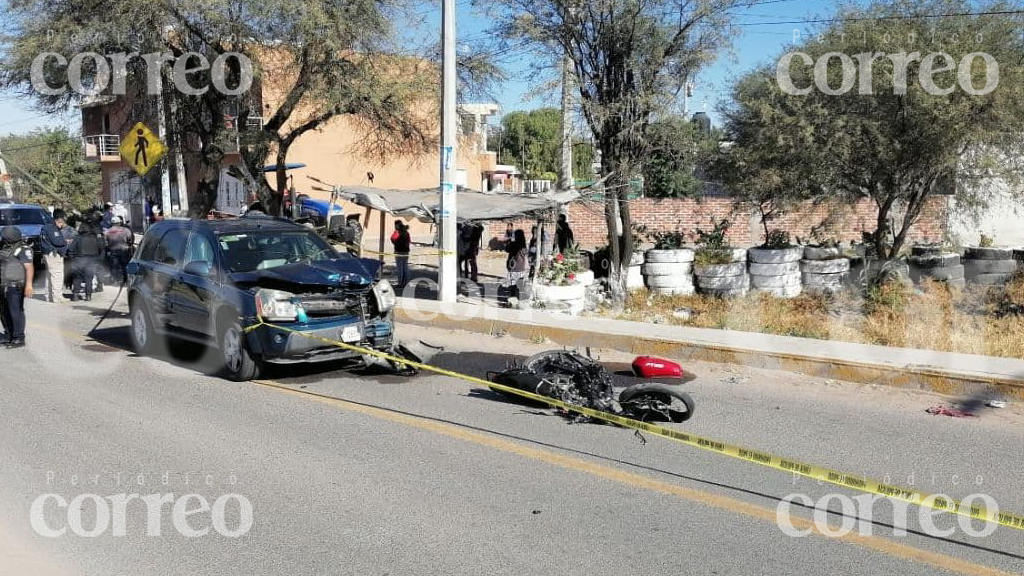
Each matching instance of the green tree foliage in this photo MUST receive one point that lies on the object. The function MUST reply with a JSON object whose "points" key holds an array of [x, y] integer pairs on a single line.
{"points": [[900, 144], [678, 155], [532, 140], [54, 157], [629, 60]]}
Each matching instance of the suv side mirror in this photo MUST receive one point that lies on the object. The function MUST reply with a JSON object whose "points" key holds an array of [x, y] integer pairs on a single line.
{"points": [[198, 268]]}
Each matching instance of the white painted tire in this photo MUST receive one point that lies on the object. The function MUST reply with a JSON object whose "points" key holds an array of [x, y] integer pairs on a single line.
{"points": [[675, 281], [786, 281], [665, 268], [677, 291], [943, 274], [834, 266], [781, 292], [988, 254], [775, 255], [935, 261], [560, 293], [720, 270], [636, 258], [989, 279], [975, 267], [821, 252], [668, 256], [775, 269], [732, 293], [723, 282], [827, 281]]}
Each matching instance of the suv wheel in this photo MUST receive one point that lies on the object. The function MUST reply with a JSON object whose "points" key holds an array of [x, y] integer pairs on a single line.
{"points": [[239, 363], [142, 327]]}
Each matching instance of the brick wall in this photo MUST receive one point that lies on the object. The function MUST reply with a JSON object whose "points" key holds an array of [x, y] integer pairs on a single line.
{"points": [[837, 220]]}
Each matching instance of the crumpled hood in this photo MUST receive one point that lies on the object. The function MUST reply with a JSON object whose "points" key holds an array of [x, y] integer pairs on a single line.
{"points": [[327, 274]]}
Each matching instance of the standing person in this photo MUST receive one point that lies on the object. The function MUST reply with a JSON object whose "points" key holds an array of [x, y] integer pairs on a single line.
{"points": [[534, 249], [87, 252], [510, 234], [70, 232], [119, 240], [476, 236], [518, 263], [563, 234], [54, 247], [16, 273], [107, 218], [461, 248], [401, 241], [121, 210]]}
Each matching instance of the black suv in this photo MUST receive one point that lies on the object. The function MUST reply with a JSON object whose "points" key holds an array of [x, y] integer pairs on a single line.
{"points": [[208, 281]]}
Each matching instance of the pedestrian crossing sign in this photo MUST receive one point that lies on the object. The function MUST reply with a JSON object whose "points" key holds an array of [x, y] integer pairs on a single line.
{"points": [[142, 149]]}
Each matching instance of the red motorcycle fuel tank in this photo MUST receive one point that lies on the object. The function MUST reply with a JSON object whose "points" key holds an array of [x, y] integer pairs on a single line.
{"points": [[654, 367]]}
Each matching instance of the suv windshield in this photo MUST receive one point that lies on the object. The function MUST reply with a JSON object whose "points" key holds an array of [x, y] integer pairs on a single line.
{"points": [[18, 216], [261, 250]]}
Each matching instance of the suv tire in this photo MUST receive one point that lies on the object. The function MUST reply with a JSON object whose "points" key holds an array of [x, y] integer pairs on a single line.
{"points": [[238, 362]]}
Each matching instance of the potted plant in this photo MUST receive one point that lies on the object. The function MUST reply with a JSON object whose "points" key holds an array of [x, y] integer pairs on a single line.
{"points": [[775, 265], [719, 268]]}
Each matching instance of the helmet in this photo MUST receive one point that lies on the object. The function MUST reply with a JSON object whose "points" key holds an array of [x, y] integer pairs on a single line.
{"points": [[11, 234], [117, 220]]}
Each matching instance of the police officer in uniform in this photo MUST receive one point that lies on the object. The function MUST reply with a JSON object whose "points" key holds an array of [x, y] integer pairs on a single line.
{"points": [[16, 272]]}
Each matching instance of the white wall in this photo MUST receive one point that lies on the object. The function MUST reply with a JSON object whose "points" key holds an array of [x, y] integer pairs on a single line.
{"points": [[1002, 219]]}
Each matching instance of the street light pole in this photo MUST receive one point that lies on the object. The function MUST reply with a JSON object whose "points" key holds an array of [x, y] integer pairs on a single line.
{"points": [[448, 273]]}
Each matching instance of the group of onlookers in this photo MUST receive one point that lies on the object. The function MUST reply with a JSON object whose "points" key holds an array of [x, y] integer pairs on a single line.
{"points": [[78, 247], [522, 256]]}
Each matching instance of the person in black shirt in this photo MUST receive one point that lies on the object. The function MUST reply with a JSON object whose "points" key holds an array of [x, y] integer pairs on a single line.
{"points": [[563, 234], [401, 241], [16, 273], [54, 247], [88, 252]]}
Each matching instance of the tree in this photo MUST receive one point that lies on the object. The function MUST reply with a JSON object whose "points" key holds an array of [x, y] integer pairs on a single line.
{"points": [[629, 60], [313, 60], [878, 133], [54, 157], [678, 154]]}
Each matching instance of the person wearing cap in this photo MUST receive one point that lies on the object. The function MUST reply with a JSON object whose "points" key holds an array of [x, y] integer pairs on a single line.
{"points": [[16, 272], [120, 240]]}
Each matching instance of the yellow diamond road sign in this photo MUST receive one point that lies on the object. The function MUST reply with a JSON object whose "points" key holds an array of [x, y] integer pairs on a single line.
{"points": [[142, 149]]}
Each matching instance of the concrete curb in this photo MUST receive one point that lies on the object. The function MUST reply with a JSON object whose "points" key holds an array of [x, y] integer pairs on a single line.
{"points": [[900, 371]]}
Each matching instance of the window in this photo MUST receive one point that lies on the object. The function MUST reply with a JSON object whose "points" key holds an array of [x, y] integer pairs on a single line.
{"points": [[18, 216], [172, 247], [199, 250]]}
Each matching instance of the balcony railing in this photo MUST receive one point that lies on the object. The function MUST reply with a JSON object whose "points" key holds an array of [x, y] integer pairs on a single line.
{"points": [[101, 147]]}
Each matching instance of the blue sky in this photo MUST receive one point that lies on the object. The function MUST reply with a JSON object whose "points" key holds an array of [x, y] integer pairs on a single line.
{"points": [[758, 43]]}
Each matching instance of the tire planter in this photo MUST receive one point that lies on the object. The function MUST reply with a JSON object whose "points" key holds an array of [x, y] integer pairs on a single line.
{"points": [[833, 266], [935, 260], [668, 256], [675, 281], [785, 281], [665, 268], [821, 252], [775, 255], [781, 292], [989, 279], [975, 267], [548, 293], [1018, 255], [988, 254], [825, 282], [944, 274], [732, 293], [724, 282], [719, 270], [782, 269], [676, 291]]}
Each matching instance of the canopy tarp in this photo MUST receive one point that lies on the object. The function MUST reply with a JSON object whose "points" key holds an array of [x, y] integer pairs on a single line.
{"points": [[424, 204]]}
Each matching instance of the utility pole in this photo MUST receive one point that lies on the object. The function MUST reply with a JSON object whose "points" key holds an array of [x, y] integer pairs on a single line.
{"points": [[6, 177], [448, 272], [565, 179], [161, 119], [179, 161]]}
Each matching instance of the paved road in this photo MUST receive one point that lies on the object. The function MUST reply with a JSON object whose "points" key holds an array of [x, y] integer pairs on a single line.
{"points": [[375, 474]]}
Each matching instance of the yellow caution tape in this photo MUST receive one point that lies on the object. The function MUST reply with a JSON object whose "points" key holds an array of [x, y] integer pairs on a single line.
{"points": [[847, 480], [376, 253]]}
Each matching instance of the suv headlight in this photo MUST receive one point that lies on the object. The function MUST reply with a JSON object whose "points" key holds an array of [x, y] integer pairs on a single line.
{"points": [[277, 305], [385, 295]]}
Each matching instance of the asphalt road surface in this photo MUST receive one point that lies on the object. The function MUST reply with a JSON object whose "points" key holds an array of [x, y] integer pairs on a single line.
{"points": [[370, 473]]}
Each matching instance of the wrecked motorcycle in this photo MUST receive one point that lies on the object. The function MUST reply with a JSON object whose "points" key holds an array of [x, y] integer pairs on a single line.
{"points": [[576, 379]]}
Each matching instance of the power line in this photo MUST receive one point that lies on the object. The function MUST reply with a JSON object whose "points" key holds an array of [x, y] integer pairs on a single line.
{"points": [[881, 18]]}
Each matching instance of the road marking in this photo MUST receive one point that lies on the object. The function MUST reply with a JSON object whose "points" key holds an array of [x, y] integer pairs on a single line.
{"points": [[632, 479]]}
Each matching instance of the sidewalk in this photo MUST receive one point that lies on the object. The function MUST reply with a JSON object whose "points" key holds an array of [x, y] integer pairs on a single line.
{"points": [[943, 372]]}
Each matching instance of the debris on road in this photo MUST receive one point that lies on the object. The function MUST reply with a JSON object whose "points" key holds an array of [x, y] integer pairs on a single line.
{"points": [[996, 404], [939, 410]]}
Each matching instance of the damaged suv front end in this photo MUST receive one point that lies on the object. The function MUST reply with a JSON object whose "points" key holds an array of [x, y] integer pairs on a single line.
{"points": [[260, 290]]}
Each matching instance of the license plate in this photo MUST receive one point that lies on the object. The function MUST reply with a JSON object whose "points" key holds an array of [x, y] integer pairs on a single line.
{"points": [[351, 334]]}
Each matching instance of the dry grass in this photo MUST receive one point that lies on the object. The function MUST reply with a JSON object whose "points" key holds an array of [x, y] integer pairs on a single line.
{"points": [[931, 317]]}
